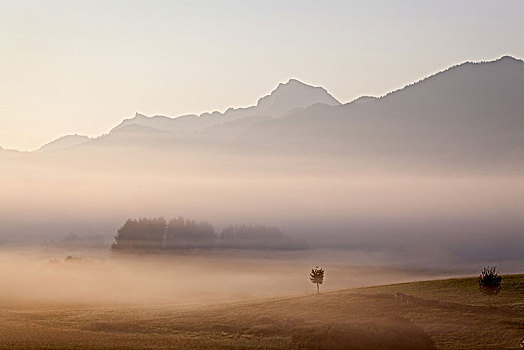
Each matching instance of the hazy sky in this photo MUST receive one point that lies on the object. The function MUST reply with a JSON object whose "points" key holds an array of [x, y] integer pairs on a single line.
{"points": [[82, 66]]}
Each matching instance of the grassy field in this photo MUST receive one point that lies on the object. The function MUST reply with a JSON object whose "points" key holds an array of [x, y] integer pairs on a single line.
{"points": [[446, 314]]}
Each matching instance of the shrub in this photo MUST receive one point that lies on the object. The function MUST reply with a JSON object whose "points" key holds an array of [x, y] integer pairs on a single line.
{"points": [[490, 282]]}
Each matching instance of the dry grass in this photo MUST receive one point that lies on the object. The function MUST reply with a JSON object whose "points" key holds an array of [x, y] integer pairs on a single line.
{"points": [[447, 314]]}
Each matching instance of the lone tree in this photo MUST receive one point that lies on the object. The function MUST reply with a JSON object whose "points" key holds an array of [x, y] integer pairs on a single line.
{"points": [[489, 282], [317, 276]]}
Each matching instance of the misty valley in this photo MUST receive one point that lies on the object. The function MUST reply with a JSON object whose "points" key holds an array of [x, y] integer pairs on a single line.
{"points": [[300, 222]]}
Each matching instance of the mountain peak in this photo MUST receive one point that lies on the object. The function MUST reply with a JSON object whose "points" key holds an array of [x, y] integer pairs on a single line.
{"points": [[293, 81], [294, 94], [508, 58]]}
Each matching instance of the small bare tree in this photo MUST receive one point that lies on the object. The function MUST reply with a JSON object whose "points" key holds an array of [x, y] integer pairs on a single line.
{"points": [[490, 282], [317, 276]]}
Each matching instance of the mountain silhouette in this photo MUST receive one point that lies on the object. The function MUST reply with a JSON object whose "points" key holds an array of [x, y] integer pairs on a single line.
{"points": [[473, 111], [470, 114], [290, 96]]}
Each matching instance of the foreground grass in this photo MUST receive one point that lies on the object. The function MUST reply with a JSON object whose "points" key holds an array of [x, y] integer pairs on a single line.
{"points": [[447, 314]]}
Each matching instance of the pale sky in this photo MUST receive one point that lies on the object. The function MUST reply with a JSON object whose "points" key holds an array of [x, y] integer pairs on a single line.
{"points": [[80, 67]]}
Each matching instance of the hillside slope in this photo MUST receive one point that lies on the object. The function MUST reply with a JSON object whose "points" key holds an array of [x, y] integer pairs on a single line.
{"points": [[64, 142], [445, 315]]}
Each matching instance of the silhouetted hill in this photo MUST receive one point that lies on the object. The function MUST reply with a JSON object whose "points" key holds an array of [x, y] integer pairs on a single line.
{"points": [[64, 142], [364, 99]]}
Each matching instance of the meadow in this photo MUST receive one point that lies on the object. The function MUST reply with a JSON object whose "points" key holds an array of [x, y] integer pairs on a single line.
{"points": [[446, 314]]}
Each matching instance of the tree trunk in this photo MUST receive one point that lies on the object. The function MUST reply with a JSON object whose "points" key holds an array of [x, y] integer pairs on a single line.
{"points": [[317, 289]]}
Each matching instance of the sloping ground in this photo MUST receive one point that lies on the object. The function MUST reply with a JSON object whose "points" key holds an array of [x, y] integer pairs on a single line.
{"points": [[448, 314], [460, 291], [457, 316]]}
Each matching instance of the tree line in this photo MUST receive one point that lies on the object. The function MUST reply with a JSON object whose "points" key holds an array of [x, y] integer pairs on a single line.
{"points": [[181, 233]]}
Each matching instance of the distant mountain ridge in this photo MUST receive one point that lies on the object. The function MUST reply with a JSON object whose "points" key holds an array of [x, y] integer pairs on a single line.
{"points": [[469, 113], [472, 110], [286, 97]]}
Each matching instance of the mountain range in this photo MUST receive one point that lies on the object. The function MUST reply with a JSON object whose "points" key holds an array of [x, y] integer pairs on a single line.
{"points": [[471, 113], [285, 99]]}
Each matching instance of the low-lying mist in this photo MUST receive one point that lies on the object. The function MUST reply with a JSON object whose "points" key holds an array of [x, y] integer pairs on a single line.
{"points": [[47, 276], [438, 218]]}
